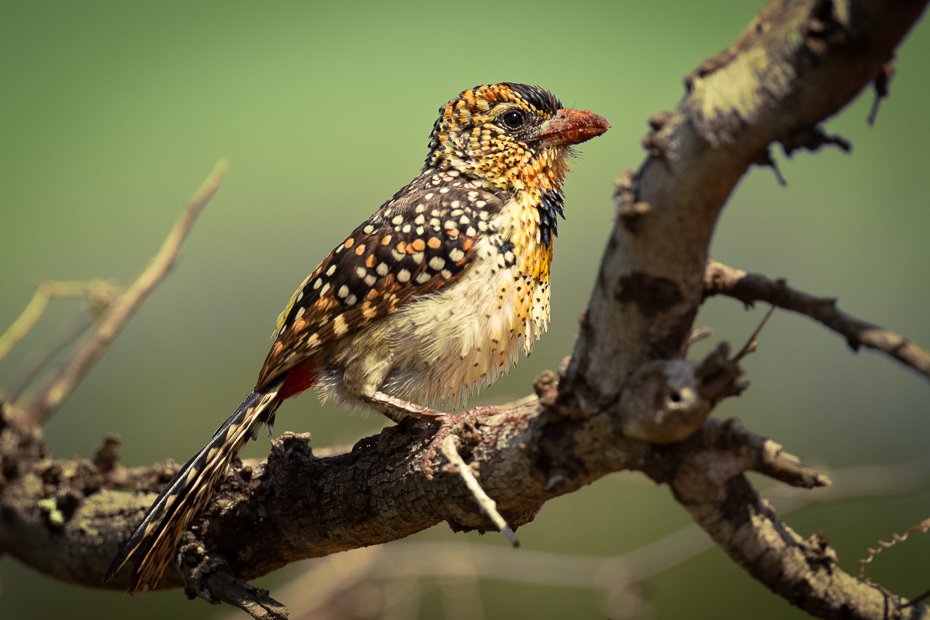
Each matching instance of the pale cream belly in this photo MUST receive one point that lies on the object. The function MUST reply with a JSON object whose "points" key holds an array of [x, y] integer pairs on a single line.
{"points": [[445, 345]]}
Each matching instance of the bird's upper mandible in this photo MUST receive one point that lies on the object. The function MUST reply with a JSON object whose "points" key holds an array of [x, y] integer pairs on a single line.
{"points": [[509, 136]]}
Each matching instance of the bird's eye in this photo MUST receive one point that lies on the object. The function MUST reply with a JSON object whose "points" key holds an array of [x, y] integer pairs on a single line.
{"points": [[512, 119]]}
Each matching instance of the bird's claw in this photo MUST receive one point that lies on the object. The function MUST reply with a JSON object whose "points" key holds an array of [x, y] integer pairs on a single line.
{"points": [[446, 424]]}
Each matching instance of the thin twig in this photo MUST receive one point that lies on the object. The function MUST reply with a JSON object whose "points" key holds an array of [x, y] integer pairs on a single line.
{"points": [[225, 588], [701, 333], [720, 279], [488, 505], [100, 292], [120, 312], [922, 527], [39, 358], [753, 343]]}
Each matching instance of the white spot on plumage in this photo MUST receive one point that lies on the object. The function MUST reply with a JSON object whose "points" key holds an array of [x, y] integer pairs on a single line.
{"points": [[343, 291], [423, 278], [382, 269], [403, 276], [436, 263], [456, 255], [331, 270]]}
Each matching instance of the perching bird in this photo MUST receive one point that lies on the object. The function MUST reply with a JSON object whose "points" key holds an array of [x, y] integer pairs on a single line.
{"points": [[430, 297]]}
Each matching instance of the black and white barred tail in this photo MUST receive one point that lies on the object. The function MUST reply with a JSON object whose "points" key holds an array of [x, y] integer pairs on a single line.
{"points": [[154, 540]]}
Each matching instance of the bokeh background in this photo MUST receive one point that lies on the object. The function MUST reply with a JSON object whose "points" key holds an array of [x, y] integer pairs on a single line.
{"points": [[112, 114]]}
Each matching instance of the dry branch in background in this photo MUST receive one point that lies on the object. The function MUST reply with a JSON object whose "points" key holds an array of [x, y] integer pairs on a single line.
{"points": [[122, 309], [752, 287], [626, 401], [99, 292]]}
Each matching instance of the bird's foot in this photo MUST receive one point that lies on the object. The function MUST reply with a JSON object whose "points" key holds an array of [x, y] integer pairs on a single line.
{"points": [[446, 423], [397, 409]]}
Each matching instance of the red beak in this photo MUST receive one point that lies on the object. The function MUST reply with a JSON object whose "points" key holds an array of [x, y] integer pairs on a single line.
{"points": [[571, 127]]}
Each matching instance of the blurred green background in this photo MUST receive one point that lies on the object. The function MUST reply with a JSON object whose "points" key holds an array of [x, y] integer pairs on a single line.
{"points": [[112, 114]]}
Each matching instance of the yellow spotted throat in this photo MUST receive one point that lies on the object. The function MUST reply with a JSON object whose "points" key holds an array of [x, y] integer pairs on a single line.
{"points": [[428, 299]]}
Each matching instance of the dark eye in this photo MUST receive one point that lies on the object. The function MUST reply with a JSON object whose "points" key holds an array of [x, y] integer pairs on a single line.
{"points": [[512, 119]]}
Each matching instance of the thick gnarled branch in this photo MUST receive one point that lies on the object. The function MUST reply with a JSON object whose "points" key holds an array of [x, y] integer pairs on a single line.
{"points": [[796, 65], [296, 505]]}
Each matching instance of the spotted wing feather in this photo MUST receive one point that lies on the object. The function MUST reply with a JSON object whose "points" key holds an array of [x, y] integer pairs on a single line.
{"points": [[417, 243]]}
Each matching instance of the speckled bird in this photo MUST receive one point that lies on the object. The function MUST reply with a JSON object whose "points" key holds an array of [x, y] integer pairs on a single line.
{"points": [[430, 298]]}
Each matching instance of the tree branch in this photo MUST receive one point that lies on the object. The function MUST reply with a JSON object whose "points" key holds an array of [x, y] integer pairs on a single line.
{"points": [[332, 579], [751, 287], [295, 505], [121, 310], [100, 292], [796, 65]]}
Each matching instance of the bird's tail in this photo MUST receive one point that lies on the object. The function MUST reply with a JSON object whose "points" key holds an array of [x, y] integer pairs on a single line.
{"points": [[154, 540]]}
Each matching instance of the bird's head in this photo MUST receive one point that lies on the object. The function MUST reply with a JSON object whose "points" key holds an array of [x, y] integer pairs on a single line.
{"points": [[509, 136]]}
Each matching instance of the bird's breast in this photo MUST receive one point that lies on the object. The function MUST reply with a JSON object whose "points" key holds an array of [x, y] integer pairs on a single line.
{"points": [[464, 337]]}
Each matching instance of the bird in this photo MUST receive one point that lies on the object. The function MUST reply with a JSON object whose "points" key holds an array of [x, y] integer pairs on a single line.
{"points": [[430, 298]]}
